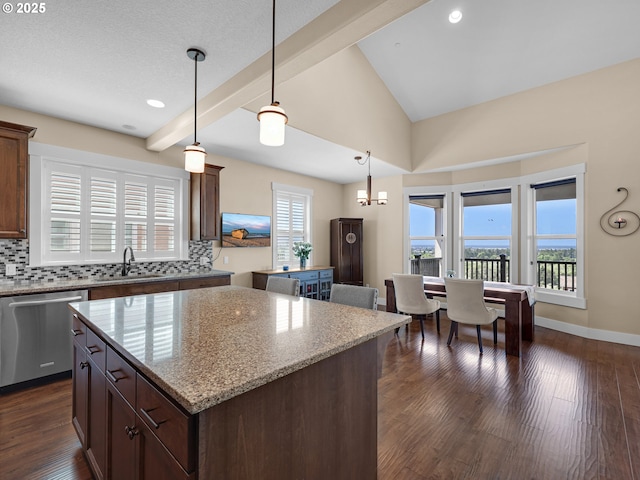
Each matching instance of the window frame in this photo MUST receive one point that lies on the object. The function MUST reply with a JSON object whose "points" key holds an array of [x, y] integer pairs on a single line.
{"points": [[514, 239], [279, 188], [43, 154], [446, 242], [575, 299]]}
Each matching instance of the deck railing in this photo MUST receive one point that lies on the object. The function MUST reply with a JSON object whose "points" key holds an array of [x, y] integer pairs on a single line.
{"points": [[551, 274]]}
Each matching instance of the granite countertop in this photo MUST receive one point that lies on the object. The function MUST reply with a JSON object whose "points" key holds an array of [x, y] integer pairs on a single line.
{"points": [[205, 346], [9, 288]]}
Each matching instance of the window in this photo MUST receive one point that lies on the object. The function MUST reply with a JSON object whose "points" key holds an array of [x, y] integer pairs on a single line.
{"points": [[426, 235], [292, 214], [527, 229], [554, 260], [88, 214], [486, 235]]}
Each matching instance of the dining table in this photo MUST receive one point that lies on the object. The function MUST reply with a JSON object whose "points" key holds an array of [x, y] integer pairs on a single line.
{"points": [[518, 301]]}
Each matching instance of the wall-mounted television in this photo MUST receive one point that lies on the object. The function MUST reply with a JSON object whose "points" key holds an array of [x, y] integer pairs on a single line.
{"points": [[242, 230]]}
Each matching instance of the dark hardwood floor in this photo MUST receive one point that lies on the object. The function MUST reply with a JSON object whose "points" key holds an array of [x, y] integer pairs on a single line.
{"points": [[568, 409]]}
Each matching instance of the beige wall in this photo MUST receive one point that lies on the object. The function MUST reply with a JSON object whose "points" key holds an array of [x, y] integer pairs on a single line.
{"points": [[343, 100], [599, 112], [596, 113], [245, 187]]}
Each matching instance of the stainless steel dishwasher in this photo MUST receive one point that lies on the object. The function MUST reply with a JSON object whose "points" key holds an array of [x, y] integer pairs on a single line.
{"points": [[35, 338]]}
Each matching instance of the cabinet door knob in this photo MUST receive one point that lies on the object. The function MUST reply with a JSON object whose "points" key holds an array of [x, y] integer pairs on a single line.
{"points": [[83, 365], [131, 431]]}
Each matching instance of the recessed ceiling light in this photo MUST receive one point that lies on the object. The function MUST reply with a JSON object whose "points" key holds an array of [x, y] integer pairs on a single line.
{"points": [[455, 16], [155, 103], [128, 127]]}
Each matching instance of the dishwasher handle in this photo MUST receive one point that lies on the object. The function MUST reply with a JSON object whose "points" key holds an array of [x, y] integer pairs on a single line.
{"points": [[31, 303]]}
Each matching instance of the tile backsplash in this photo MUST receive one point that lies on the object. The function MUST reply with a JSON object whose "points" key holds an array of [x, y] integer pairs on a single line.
{"points": [[17, 252]]}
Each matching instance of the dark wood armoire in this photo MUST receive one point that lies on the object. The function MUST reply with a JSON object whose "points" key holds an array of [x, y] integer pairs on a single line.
{"points": [[346, 251]]}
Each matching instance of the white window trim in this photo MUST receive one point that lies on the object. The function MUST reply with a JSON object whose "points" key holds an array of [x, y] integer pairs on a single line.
{"points": [[446, 218], [284, 188], [575, 299], [503, 183], [39, 152]]}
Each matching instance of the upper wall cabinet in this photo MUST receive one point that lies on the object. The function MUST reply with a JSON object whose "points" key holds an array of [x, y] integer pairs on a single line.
{"points": [[205, 204], [14, 165]]}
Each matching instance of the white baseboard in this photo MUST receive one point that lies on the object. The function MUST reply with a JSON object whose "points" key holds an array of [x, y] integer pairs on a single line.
{"points": [[586, 332], [578, 330]]}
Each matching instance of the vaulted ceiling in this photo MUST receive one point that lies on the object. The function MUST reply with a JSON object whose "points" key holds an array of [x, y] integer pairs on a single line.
{"points": [[98, 62]]}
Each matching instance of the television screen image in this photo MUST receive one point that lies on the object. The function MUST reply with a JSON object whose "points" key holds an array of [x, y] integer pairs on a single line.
{"points": [[242, 230]]}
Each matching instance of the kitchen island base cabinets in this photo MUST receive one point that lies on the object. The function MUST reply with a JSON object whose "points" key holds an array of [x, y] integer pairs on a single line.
{"points": [[317, 422]]}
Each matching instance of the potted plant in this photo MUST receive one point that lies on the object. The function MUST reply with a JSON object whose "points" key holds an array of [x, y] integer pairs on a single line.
{"points": [[302, 251]]}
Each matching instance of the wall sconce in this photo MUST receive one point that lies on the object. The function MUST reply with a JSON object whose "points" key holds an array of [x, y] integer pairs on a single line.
{"points": [[614, 221], [621, 222], [364, 196]]}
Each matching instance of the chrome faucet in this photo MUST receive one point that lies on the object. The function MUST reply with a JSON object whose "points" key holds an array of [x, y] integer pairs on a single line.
{"points": [[126, 266]]}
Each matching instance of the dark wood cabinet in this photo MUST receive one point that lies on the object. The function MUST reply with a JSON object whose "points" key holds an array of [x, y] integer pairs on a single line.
{"points": [[14, 181], [120, 434], [80, 392], [156, 441], [205, 204], [346, 250], [143, 288]]}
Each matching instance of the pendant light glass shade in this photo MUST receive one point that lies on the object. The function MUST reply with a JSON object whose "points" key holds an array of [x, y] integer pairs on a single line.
{"points": [[272, 121], [194, 156]]}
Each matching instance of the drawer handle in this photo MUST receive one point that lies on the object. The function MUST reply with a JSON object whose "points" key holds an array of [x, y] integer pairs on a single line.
{"points": [[151, 420], [112, 377], [83, 365], [131, 431], [93, 349], [76, 332]]}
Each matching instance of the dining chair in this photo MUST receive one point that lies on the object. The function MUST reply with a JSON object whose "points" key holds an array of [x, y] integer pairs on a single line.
{"points": [[363, 297], [288, 286], [411, 299], [465, 304]]}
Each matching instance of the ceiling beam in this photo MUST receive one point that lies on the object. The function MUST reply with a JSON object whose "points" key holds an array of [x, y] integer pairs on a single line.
{"points": [[343, 25]]}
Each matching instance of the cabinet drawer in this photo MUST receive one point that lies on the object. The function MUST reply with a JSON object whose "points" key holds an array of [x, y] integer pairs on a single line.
{"points": [[204, 282], [79, 331], [326, 274], [114, 291], [121, 375], [96, 350], [175, 429], [305, 276]]}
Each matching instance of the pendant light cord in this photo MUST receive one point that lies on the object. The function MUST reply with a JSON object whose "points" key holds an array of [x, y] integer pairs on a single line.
{"points": [[273, 54], [195, 100]]}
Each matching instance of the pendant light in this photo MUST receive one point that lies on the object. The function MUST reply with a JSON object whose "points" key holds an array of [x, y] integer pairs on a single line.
{"points": [[272, 117], [364, 196], [194, 154]]}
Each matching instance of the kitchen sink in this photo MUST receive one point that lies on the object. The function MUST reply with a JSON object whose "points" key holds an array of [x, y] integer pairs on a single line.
{"points": [[128, 277]]}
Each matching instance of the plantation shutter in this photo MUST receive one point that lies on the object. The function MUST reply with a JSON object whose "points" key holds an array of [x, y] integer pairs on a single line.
{"points": [[92, 214], [65, 200], [164, 218], [102, 200], [135, 213], [291, 224]]}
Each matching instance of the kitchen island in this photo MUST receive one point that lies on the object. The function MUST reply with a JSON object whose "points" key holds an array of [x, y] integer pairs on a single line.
{"points": [[227, 382]]}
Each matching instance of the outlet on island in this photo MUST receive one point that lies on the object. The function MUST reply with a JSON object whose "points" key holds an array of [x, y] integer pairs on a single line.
{"points": [[10, 269]]}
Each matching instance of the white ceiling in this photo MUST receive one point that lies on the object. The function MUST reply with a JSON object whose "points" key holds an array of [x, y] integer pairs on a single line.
{"points": [[97, 62]]}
